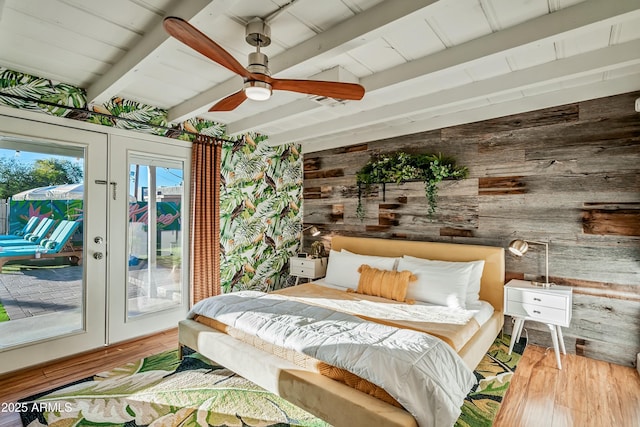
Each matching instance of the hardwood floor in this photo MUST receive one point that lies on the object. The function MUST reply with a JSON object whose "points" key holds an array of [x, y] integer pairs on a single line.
{"points": [[41, 378], [585, 392]]}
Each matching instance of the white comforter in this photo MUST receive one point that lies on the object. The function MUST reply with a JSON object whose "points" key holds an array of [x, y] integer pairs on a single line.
{"points": [[420, 371], [396, 311]]}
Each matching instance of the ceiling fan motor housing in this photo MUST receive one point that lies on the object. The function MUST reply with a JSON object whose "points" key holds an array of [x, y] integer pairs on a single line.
{"points": [[258, 33], [258, 63]]}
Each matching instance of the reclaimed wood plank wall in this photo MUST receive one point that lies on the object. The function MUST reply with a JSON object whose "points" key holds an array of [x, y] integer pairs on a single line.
{"points": [[569, 175]]}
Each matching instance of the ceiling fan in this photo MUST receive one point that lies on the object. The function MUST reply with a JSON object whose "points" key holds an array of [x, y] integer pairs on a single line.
{"points": [[258, 84]]}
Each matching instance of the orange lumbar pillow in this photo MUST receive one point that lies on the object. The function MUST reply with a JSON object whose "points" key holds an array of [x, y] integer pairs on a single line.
{"points": [[388, 284]]}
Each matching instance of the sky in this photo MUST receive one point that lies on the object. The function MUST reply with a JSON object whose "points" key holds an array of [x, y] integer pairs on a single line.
{"points": [[30, 157], [164, 176]]}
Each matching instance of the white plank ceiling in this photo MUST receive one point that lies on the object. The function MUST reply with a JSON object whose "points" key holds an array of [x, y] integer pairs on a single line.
{"points": [[424, 64]]}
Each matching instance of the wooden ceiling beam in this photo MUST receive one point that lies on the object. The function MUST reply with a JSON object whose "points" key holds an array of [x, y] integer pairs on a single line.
{"points": [[564, 23], [121, 74], [574, 67]]}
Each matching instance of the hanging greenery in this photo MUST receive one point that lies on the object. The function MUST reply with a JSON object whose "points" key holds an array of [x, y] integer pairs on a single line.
{"points": [[401, 167]]}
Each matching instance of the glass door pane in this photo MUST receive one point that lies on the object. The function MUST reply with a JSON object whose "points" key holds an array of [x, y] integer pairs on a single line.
{"points": [[54, 206], [154, 279], [41, 289]]}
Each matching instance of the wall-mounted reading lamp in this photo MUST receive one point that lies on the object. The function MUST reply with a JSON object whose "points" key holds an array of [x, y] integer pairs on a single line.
{"points": [[313, 230], [520, 247]]}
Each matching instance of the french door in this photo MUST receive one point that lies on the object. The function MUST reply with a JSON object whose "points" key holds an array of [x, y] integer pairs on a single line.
{"points": [[122, 271], [148, 237], [53, 298]]}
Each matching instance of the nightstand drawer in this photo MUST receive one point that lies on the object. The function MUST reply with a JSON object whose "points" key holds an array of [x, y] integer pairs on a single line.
{"points": [[537, 312], [537, 298], [297, 270], [302, 263]]}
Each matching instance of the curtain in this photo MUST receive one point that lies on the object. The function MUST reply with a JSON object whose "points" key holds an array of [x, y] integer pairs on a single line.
{"points": [[205, 218]]}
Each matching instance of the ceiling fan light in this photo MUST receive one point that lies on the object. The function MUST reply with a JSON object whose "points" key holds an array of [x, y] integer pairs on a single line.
{"points": [[258, 91]]}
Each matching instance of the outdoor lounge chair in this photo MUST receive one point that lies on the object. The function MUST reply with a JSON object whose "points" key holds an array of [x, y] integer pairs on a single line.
{"points": [[59, 246], [33, 238], [28, 228]]}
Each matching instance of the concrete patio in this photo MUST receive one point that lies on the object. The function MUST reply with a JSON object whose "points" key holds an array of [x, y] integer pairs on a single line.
{"points": [[45, 301], [41, 301], [36, 291]]}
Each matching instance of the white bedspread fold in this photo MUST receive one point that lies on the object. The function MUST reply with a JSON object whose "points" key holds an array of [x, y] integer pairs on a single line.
{"points": [[420, 371]]}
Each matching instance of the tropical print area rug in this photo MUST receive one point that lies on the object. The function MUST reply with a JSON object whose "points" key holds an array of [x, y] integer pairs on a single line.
{"points": [[494, 374], [163, 391]]}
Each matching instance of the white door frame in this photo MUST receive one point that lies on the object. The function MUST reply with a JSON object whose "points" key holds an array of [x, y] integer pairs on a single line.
{"points": [[92, 334], [122, 150]]}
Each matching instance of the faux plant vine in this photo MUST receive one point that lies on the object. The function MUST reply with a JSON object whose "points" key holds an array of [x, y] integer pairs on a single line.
{"points": [[401, 167]]}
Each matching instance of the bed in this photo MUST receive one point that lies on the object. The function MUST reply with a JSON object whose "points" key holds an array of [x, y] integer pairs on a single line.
{"points": [[334, 401]]}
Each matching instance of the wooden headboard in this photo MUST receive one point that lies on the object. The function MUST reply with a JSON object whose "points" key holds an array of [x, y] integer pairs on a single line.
{"points": [[491, 284]]}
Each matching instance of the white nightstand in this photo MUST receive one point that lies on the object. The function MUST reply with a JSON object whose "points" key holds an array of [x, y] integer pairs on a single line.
{"points": [[309, 268], [525, 301]]}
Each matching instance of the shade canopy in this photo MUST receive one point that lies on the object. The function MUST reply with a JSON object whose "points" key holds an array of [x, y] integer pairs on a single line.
{"points": [[52, 192]]}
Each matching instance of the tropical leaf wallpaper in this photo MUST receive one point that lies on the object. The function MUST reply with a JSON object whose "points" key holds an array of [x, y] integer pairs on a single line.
{"points": [[33, 93], [261, 193], [261, 215]]}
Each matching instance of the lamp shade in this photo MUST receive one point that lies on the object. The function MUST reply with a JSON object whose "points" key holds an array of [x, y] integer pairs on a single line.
{"points": [[518, 247], [313, 230]]}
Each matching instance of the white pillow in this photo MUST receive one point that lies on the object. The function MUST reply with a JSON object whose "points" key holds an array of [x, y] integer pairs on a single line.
{"points": [[442, 284], [395, 262], [473, 289], [342, 269]]}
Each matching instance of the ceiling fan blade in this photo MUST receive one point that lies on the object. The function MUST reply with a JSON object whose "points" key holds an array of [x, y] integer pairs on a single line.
{"points": [[230, 102], [336, 90], [195, 39]]}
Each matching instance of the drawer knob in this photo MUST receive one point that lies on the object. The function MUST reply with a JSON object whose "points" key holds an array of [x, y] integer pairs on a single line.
{"points": [[537, 299], [536, 311]]}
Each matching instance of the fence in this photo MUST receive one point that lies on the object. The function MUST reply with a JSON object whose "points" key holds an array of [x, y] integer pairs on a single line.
{"points": [[168, 213], [4, 216]]}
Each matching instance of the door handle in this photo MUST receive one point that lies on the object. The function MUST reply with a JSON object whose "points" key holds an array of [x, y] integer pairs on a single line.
{"points": [[98, 255], [98, 240], [114, 187]]}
